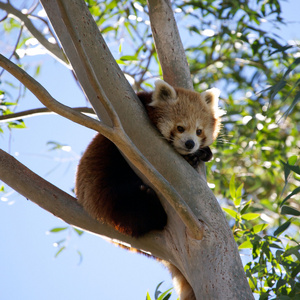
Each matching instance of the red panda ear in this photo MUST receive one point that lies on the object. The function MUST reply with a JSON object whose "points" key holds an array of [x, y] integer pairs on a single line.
{"points": [[163, 93], [211, 97]]}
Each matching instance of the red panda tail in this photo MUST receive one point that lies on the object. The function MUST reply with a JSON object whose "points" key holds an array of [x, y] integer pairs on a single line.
{"points": [[181, 285]]}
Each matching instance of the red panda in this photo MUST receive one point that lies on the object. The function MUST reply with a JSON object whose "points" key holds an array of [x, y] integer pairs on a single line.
{"points": [[111, 192]]}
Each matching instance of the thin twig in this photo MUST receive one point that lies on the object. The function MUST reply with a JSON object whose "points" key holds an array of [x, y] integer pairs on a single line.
{"points": [[16, 45], [33, 7], [38, 112], [52, 48]]}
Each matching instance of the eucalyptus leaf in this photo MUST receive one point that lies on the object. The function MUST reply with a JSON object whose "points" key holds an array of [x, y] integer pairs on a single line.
{"points": [[287, 210], [58, 229], [282, 228]]}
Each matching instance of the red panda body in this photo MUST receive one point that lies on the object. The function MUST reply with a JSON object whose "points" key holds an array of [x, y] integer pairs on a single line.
{"points": [[112, 193], [109, 189]]}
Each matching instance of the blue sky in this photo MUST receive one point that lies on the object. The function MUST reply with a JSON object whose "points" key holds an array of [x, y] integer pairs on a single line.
{"points": [[28, 269]]}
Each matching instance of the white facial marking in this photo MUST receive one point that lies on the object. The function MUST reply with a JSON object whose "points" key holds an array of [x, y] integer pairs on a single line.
{"points": [[186, 142]]}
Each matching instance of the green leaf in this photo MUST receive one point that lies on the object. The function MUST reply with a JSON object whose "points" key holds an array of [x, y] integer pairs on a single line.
{"points": [[287, 210], [290, 109], [18, 124], [292, 66], [127, 26], [250, 216], [78, 231], [129, 57], [294, 192], [56, 244], [246, 245], [282, 228], [148, 296], [292, 250], [80, 257], [57, 146], [292, 160], [238, 195], [157, 291], [286, 172], [37, 71], [107, 29], [276, 88], [120, 62], [246, 206], [296, 272], [59, 251], [165, 295], [232, 187], [260, 227], [281, 282], [295, 169], [231, 212], [274, 246], [252, 279], [58, 229], [287, 169], [281, 49]]}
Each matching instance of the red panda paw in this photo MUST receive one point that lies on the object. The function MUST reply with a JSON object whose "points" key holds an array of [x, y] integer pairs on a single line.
{"points": [[203, 154]]}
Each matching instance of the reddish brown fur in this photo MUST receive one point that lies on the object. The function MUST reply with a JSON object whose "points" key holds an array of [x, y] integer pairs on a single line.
{"points": [[110, 191], [181, 285]]}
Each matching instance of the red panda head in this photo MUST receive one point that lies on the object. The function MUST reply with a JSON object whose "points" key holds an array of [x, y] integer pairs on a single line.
{"points": [[187, 119]]}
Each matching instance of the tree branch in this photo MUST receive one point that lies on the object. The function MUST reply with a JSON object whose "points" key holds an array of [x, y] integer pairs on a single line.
{"points": [[64, 206], [168, 44], [170, 49], [42, 94], [38, 112], [87, 65], [23, 18]]}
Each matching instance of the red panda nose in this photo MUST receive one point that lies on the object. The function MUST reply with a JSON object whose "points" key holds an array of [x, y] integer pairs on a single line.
{"points": [[190, 144]]}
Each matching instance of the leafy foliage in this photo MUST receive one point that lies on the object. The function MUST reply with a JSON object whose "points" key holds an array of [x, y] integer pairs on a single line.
{"points": [[233, 45], [63, 243], [273, 271], [158, 295]]}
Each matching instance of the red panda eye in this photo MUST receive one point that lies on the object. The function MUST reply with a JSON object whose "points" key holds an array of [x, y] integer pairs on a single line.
{"points": [[198, 131], [180, 128]]}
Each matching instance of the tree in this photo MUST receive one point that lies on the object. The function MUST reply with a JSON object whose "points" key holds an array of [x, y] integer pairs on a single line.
{"points": [[101, 79]]}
